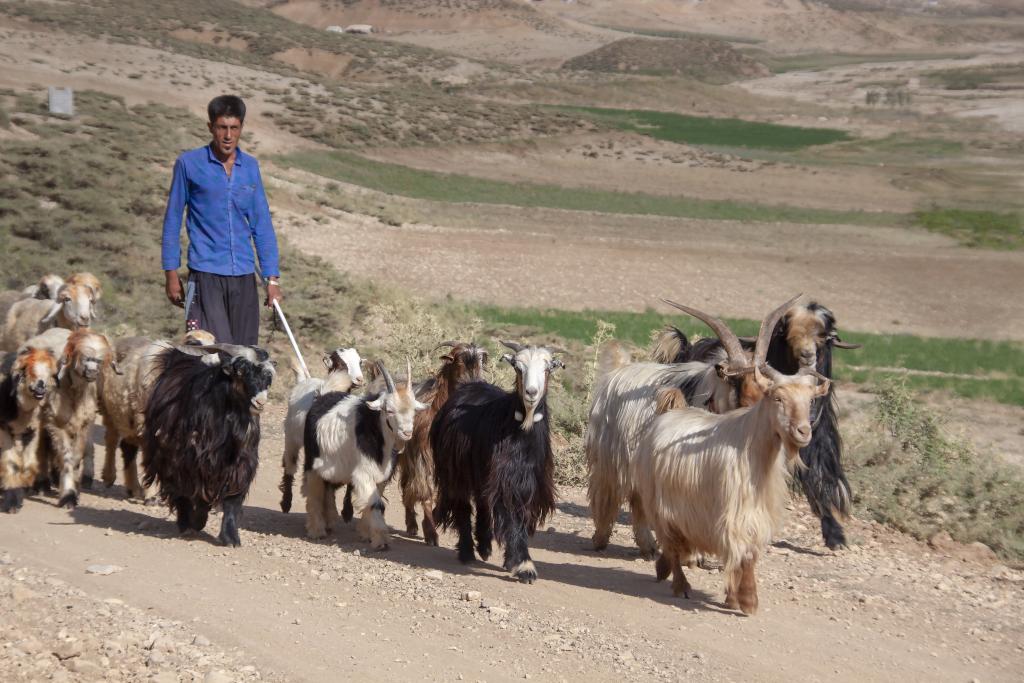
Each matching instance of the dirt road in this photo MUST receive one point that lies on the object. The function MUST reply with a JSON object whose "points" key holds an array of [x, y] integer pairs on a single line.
{"points": [[284, 608]]}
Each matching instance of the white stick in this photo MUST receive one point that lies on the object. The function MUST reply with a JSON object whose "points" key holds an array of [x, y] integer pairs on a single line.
{"points": [[291, 337]]}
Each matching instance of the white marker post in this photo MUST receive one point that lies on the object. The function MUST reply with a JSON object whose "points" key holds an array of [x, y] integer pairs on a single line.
{"points": [[291, 337]]}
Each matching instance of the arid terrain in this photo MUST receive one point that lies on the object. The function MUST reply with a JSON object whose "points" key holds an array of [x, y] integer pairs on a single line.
{"points": [[496, 153]]}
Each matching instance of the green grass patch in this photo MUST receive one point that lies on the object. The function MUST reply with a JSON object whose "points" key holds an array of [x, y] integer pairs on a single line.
{"points": [[670, 33], [977, 77], [706, 130], [455, 188], [972, 368], [975, 227]]}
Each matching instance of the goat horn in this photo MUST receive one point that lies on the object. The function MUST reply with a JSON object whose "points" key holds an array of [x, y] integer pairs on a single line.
{"points": [[449, 343], [388, 381], [840, 344], [729, 340], [512, 345], [770, 372], [767, 328], [408, 374]]}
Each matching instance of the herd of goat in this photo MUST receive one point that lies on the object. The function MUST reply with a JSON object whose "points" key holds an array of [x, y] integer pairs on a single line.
{"points": [[700, 441]]}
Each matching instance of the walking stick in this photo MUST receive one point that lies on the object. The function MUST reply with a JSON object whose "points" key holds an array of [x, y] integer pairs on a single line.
{"points": [[291, 337]]}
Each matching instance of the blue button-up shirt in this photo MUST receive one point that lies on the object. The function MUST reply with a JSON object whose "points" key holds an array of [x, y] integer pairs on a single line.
{"points": [[225, 212]]}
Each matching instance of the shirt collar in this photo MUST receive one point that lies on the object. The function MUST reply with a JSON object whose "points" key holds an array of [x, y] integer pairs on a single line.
{"points": [[239, 155]]}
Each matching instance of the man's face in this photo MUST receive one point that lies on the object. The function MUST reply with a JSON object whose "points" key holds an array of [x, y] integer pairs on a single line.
{"points": [[225, 130]]}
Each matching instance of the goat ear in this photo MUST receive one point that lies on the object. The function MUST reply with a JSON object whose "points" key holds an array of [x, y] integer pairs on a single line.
{"points": [[447, 358], [509, 358], [822, 388], [116, 368], [420, 406], [376, 404], [557, 363], [326, 360]]}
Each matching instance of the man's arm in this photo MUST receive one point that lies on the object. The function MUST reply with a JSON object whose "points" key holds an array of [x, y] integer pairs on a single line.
{"points": [[170, 248], [265, 240]]}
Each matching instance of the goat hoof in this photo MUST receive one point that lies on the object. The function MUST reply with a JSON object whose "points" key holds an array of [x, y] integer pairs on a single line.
{"points": [[286, 506], [86, 481], [229, 540], [430, 539], [525, 572], [662, 568], [68, 500], [13, 500], [600, 543]]}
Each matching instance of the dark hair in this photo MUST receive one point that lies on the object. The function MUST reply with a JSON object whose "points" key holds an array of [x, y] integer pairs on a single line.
{"points": [[226, 105]]}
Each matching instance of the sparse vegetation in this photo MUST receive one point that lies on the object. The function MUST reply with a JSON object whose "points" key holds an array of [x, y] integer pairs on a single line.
{"points": [[907, 471], [976, 227], [978, 77], [702, 58], [706, 130]]}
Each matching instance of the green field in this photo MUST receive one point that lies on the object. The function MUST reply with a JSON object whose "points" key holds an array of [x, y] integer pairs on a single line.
{"points": [[455, 188], [706, 130], [976, 227], [819, 61], [967, 367]]}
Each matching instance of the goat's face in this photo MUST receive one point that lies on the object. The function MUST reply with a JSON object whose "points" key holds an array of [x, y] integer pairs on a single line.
{"points": [[251, 375], [790, 398], [807, 328], [35, 373], [346, 360], [85, 355], [464, 363], [87, 280], [398, 408], [76, 302], [48, 287], [533, 365]]}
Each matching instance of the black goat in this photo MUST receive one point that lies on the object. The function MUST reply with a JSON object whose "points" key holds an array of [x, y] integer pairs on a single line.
{"points": [[805, 336], [202, 431], [492, 451]]}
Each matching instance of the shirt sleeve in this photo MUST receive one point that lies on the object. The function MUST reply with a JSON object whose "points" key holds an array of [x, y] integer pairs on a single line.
{"points": [[263, 230], [177, 198]]}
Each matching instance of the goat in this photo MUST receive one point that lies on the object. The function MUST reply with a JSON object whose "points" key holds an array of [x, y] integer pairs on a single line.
{"points": [[87, 280], [465, 362], [354, 440], [716, 484], [27, 378], [69, 412], [123, 399], [73, 309], [46, 288], [344, 371], [202, 431], [492, 451], [626, 400], [804, 337], [198, 338]]}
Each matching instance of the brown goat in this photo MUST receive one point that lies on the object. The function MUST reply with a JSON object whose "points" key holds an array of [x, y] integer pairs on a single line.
{"points": [[465, 362]]}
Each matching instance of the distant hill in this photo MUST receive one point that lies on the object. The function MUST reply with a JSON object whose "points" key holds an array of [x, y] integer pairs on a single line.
{"points": [[704, 59]]}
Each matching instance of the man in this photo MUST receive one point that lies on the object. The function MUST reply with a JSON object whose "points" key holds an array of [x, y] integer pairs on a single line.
{"points": [[227, 214]]}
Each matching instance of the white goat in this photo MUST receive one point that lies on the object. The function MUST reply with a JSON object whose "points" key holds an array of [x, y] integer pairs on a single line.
{"points": [[355, 440], [716, 484], [626, 400], [71, 409], [74, 308], [344, 371]]}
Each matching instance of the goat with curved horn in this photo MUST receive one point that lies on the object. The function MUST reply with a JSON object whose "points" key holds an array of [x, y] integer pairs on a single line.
{"points": [[388, 381], [512, 345], [730, 342]]}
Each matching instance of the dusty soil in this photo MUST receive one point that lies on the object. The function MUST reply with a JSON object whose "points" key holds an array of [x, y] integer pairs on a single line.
{"points": [[876, 279], [288, 608]]}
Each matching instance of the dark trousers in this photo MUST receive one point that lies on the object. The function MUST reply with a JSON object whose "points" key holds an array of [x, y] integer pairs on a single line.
{"points": [[227, 306]]}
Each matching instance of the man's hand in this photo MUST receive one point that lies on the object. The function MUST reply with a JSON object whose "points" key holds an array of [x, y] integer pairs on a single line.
{"points": [[274, 293], [174, 289]]}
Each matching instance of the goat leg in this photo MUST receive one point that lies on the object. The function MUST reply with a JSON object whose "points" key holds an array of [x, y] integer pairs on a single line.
{"points": [[484, 528], [429, 528], [200, 514], [183, 508], [110, 455], [285, 487], [464, 525], [832, 532], [412, 526], [346, 508], [512, 525], [748, 587], [130, 464], [641, 530], [604, 506], [13, 499], [232, 508]]}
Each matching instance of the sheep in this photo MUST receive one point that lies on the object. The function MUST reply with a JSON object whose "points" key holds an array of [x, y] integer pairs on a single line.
{"points": [[344, 371], [73, 309], [492, 451], [354, 440], [804, 337], [716, 484], [201, 431], [46, 288], [465, 362], [88, 280], [27, 378], [70, 410], [626, 399]]}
